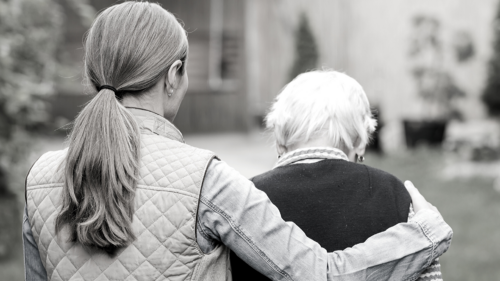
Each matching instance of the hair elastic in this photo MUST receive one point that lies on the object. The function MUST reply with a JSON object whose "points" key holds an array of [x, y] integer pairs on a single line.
{"points": [[108, 87]]}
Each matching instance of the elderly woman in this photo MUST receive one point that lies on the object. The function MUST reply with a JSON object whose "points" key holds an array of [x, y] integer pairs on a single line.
{"points": [[321, 123]]}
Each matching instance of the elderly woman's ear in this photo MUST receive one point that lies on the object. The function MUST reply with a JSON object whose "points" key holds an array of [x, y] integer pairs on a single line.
{"points": [[357, 152], [359, 149]]}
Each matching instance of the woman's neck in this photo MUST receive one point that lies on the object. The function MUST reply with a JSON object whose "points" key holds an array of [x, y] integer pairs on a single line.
{"points": [[144, 101]]}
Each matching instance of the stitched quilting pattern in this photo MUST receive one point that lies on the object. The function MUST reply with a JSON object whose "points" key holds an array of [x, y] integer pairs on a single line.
{"points": [[158, 169], [164, 219]]}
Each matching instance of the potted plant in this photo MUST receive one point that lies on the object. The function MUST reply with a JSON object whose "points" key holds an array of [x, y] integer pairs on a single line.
{"points": [[306, 50], [436, 88]]}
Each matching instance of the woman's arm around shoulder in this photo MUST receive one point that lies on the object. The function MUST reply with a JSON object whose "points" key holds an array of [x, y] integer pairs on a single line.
{"points": [[235, 213], [433, 272]]}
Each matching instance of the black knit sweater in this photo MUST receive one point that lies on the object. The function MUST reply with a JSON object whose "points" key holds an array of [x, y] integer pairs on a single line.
{"points": [[335, 202]]}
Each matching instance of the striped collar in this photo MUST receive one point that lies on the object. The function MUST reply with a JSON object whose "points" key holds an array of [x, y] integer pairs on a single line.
{"points": [[310, 153]]}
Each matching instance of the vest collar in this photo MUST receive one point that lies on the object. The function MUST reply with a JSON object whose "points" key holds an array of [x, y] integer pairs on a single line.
{"points": [[317, 153], [156, 124]]}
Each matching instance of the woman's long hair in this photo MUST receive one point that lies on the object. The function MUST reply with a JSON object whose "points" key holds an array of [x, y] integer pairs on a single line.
{"points": [[130, 46]]}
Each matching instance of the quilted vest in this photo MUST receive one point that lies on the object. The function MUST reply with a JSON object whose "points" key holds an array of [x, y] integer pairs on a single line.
{"points": [[166, 203]]}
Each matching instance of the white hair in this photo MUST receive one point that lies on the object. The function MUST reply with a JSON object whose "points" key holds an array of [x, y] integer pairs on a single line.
{"points": [[322, 103]]}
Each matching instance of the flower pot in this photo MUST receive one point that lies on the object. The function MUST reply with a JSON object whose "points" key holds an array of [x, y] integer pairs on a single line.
{"points": [[428, 132]]}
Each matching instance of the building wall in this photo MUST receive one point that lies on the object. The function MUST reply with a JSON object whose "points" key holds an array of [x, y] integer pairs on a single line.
{"points": [[270, 42], [369, 40], [380, 39], [207, 107]]}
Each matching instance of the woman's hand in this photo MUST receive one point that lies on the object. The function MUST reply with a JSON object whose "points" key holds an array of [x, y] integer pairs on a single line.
{"points": [[419, 202]]}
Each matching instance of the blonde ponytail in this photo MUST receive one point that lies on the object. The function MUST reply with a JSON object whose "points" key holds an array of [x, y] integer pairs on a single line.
{"points": [[101, 173], [129, 47]]}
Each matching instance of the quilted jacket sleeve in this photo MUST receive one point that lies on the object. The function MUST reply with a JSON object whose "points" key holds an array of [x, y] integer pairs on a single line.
{"points": [[235, 213]]}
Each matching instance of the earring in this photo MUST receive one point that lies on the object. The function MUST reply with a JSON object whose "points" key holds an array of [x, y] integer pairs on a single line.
{"points": [[171, 92], [360, 159]]}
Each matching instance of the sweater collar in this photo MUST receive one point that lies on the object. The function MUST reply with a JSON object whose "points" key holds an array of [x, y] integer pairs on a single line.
{"points": [[310, 153], [156, 124]]}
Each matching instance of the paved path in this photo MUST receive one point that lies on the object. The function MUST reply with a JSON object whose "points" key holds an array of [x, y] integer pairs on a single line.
{"points": [[250, 154]]}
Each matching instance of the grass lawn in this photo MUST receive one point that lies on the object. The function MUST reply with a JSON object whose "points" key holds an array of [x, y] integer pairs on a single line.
{"points": [[471, 207]]}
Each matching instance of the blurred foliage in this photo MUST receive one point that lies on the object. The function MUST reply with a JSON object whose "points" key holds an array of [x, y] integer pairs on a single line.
{"points": [[30, 36], [83, 8], [306, 49], [491, 94], [463, 46]]}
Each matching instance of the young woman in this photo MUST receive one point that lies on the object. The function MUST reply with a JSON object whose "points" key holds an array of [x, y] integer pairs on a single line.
{"points": [[321, 123], [129, 200]]}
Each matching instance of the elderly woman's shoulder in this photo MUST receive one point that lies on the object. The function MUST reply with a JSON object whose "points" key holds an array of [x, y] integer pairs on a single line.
{"points": [[337, 169], [383, 179], [268, 176]]}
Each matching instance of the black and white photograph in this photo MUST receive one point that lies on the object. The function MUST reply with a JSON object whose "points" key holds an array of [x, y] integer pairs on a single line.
{"points": [[248, 140]]}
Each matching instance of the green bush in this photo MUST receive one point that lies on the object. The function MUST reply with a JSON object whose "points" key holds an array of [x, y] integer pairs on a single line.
{"points": [[306, 50], [30, 39], [491, 94]]}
